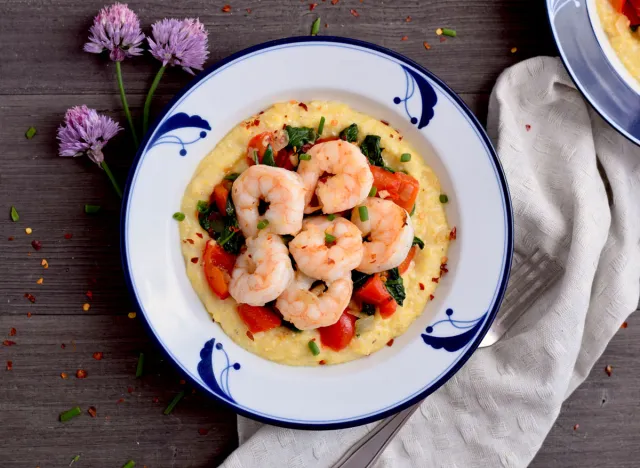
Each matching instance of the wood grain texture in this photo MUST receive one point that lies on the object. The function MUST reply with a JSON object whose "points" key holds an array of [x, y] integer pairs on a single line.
{"points": [[43, 71]]}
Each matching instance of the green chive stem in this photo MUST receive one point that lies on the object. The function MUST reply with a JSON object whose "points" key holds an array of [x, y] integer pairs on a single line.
{"points": [[321, 126], [233, 176], [140, 366], [30, 133], [364, 213], [178, 216], [112, 178], [413, 210], [304, 157], [373, 191], [315, 27], [173, 403], [313, 347], [331, 217], [329, 238], [129, 464], [147, 101], [263, 223], [405, 157], [70, 414], [125, 105], [92, 209], [449, 32]]}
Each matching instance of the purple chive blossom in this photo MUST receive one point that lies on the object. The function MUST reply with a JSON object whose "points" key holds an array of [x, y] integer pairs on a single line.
{"points": [[84, 131], [182, 43], [116, 29]]}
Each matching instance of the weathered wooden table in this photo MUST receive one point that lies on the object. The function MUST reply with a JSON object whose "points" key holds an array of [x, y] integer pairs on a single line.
{"points": [[43, 71]]}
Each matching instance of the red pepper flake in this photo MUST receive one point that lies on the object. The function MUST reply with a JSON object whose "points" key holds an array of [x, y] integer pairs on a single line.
{"points": [[322, 362], [390, 342], [37, 245], [89, 294], [81, 374], [453, 234], [11, 238], [30, 297], [421, 286], [182, 381], [68, 235], [624, 325], [190, 241], [194, 260], [249, 10], [199, 235], [408, 19], [64, 375], [130, 389], [426, 45], [12, 332], [28, 314], [8, 343], [121, 400], [385, 122], [404, 38], [431, 297], [443, 269], [527, 127], [92, 411], [256, 122], [250, 335], [312, 6], [608, 370], [576, 427], [155, 399], [304, 106], [333, 2], [98, 356], [443, 39], [63, 345], [203, 432], [9, 365], [435, 280], [226, 8], [354, 13]]}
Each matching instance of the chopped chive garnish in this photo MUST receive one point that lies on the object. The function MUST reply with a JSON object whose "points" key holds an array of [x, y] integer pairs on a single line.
{"points": [[364, 213], [140, 366], [449, 32], [405, 157], [173, 403], [331, 217], [30, 133], [267, 159], [92, 209], [263, 224], [15, 217], [373, 191], [74, 459], [404, 171], [314, 348], [70, 414], [321, 126], [413, 210], [329, 238], [129, 464], [443, 198], [315, 27], [232, 176], [202, 206], [304, 157], [178, 216]]}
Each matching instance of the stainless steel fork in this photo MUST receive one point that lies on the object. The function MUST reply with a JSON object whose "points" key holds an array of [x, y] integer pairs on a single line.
{"points": [[531, 275]]}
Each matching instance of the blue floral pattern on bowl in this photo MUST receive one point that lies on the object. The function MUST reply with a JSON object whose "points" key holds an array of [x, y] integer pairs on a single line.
{"points": [[416, 82], [219, 384], [176, 122], [455, 342]]}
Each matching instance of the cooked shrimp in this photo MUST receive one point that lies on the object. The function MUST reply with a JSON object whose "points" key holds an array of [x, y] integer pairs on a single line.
{"points": [[308, 310], [322, 259], [390, 231], [348, 184], [262, 272], [281, 189]]}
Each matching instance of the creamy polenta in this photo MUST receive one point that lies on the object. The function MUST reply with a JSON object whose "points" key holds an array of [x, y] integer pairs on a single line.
{"points": [[623, 39], [281, 344]]}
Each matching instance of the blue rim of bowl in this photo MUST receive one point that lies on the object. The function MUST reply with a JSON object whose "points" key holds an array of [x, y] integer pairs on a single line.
{"points": [[588, 73], [503, 185]]}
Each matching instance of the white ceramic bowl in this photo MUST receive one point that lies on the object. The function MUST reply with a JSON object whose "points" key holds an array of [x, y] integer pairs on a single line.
{"points": [[377, 82]]}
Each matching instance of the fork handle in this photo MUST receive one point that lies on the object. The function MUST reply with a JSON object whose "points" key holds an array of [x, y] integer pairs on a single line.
{"points": [[365, 453]]}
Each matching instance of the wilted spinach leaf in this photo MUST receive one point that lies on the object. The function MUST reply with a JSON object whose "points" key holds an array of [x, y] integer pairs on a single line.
{"points": [[419, 242], [370, 147], [368, 309], [267, 159], [359, 279], [298, 136], [395, 285], [290, 326], [350, 133]]}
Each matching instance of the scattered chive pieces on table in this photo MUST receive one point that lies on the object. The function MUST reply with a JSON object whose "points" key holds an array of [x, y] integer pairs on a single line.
{"points": [[314, 348], [373, 191], [30, 133], [178, 216], [315, 27], [443, 198], [263, 224], [364, 213], [406, 157], [129, 464], [329, 238], [173, 403], [70, 414], [304, 157], [74, 459], [15, 217], [321, 126], [233, 176], [331, 217], [91, 209], [140, 366], [449, 32]]}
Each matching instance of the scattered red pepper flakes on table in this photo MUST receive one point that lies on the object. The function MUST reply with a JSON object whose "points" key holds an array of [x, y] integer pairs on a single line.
{"points": [[30, 297], [28, 314], [608, 370], [12, 332], [426, 45], [576, 427], [354, 13], [68, 235], [121, 400], [8, 343], [63, 346], [11, 238], [36, 244], [408, 19], [130, 389], [443, 39], [226, 8], [404, 38], [333, 2], [9, 365], [312, 6], [64, 375], [89, 295], [92, 411], [203, 432], [624, 325], [81, 374], [98, 356], [155, 399], [182, 381], [249, 10]]}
